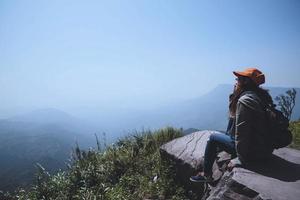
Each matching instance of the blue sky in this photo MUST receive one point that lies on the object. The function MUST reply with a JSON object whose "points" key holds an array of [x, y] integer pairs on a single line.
{"points": [[69, 54]]}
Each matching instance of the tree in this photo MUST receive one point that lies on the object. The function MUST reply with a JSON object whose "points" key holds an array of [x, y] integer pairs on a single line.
{"points": [[287, 102]]}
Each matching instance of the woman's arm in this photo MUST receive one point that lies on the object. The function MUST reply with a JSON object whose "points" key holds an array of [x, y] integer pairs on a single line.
{"points": [[243, 131]]}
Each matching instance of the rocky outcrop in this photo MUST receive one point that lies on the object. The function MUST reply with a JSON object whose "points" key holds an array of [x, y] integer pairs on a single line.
{"points": [[277, 178]]}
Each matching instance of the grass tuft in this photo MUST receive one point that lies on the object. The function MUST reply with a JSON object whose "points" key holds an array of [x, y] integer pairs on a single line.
{"points": [[130, 169], [295, 128]]}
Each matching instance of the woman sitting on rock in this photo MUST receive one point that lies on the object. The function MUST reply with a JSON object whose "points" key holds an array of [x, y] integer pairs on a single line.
{"points": [[246, 136]]}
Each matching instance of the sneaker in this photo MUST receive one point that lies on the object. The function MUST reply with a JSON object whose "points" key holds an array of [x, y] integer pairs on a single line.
{"points": [[201, 179]]}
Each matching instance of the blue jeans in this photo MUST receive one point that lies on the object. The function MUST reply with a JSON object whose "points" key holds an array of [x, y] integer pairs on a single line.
{"points": [[217, 142]]}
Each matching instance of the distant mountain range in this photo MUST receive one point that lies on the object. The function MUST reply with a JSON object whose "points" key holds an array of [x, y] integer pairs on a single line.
{"points": [[209, 111], [42, 136], [47, 136]]}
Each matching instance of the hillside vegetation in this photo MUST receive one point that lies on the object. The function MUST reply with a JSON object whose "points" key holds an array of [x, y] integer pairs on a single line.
{"points": [[295, 128], [130, 169]]}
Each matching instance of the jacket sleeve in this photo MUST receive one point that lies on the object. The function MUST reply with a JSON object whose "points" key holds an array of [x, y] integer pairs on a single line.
{"points": [[243, 131]]}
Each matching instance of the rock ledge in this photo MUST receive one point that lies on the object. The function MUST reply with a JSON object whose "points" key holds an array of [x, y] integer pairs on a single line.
{"points": [[277, 178]]}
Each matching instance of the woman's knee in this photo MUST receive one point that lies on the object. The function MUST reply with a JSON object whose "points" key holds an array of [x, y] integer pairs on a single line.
{"points": [[221, 140], [214, 137]]}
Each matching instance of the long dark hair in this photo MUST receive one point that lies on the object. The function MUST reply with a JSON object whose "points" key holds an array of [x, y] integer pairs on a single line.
{"points": [[249, 85]]}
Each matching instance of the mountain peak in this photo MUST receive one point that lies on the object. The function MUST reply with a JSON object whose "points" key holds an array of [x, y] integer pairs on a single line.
{"points": [[45, 115]]}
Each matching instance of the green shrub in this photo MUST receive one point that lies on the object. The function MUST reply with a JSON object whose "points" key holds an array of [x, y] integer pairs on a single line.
{"points": [[129, 169], [295, 128]]}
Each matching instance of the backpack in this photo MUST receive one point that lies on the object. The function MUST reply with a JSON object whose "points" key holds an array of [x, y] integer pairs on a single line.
{"points": [[279, 134]]}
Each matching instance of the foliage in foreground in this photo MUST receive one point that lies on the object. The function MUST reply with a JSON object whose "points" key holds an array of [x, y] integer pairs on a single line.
{"points": [[130, 169], [287, 102], [295, 128]]}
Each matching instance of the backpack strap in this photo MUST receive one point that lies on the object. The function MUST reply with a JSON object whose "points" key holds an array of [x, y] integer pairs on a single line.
{"points": [[263, 103], [251, 100]]}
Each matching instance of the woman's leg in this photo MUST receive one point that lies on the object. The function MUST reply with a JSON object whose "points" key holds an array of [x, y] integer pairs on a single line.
{"points": [[216, 142]]}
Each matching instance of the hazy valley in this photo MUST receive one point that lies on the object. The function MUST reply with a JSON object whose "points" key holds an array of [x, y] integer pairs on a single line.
{"points": [[47, 136]]}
